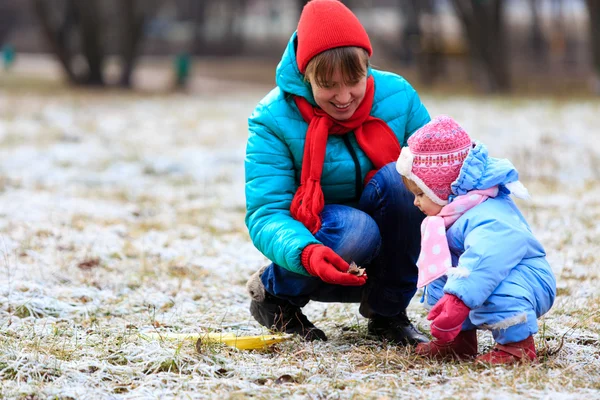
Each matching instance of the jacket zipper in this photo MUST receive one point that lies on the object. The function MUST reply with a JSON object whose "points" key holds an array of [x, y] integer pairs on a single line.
{"points": [[358, 183]]}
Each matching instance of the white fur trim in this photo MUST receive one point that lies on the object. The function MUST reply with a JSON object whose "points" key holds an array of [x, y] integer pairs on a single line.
{"points": [[507, 323], [518, 190], [459, 272], [404, 168], [405, 161]]}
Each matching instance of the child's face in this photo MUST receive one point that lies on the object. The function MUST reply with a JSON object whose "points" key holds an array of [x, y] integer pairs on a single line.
{"points": [[425, 204]]}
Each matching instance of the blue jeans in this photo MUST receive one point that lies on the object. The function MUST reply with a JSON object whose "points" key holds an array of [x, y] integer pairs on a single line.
{"points": [[382, 235]]}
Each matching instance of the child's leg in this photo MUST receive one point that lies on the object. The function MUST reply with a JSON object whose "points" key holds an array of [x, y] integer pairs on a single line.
{"points": [[512, 310], [511, 314], [513, 324]]}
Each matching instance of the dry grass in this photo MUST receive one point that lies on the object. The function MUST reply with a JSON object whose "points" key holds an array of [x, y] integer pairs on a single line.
{"points": [[124, 213]]}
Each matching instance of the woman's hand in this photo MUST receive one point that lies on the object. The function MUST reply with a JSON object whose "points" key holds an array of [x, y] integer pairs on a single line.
{"points": [[324, 263], [447, 317]]}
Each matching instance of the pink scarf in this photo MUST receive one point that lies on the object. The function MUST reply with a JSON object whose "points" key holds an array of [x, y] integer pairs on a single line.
{"points": [[434, 260]]}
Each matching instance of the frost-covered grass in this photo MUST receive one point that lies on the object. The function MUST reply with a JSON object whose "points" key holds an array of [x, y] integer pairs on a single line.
{"points": [[122, 213]]}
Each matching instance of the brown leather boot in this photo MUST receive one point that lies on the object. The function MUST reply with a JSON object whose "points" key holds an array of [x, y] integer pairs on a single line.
{"points": [[462, 347], [510, 353], [279, 314]]}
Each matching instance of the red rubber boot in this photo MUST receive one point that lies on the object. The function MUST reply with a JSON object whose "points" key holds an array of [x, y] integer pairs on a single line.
{"points": [[462, 347], [510, 353]]}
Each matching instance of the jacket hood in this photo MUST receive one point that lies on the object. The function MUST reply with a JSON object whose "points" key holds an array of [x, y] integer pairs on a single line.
{"points": [[480, 172], [288, 76]]}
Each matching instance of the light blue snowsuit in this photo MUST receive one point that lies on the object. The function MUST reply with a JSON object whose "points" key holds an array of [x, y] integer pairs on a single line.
{"points": [[501, 270]]}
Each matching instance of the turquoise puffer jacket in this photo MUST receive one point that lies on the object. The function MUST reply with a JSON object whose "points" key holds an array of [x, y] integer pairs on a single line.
{"points": [[274, 157]]}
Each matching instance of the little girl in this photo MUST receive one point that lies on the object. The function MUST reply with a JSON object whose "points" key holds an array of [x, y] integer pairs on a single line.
{"points": [[481, 266]]}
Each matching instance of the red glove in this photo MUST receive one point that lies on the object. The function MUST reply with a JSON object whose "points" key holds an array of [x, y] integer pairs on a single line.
{"points": [[447, 317], [322, 262]]}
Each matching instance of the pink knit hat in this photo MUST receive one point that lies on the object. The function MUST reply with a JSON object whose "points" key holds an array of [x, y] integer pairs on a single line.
{"points": [[434, 156]]}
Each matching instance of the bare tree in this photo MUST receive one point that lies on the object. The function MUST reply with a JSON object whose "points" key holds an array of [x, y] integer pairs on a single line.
{"points": [[483, 21], [132, 26], [233, 41], [537, 41], [229, 13], [8, 15], [410, 40], [594, 13], [198, 15], [420, 42], [77, 30], [56, 35], [91, 42], [300, 5]]}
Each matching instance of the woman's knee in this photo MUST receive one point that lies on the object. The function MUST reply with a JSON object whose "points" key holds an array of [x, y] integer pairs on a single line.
{"points": [[391, 204], [352, 233], [387, 185]]}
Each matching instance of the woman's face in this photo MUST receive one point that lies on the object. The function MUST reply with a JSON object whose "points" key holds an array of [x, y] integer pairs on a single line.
{"points": [[338, 99]]}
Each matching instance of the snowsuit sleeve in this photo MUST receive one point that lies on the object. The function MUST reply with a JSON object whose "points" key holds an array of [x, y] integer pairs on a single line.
{"points": [[492, 249]]}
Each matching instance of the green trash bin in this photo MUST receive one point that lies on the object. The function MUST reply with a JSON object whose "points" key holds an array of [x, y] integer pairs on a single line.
{"points": [[8, 56]]}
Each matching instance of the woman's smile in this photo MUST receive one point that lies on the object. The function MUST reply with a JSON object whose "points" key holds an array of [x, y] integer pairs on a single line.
{"points": [[342, 106]]}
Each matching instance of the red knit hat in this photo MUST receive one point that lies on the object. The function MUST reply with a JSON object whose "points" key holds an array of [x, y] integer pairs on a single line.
{"points": [[325, 25], [434, 157]]}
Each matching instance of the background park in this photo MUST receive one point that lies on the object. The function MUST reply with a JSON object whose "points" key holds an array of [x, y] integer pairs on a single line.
{"points": [[123, 126]]}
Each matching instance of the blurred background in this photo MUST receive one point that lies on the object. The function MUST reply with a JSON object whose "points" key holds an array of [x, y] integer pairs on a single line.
{"points": [[464, 46]]}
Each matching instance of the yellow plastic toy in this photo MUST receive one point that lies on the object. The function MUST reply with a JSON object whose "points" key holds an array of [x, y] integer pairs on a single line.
{"points": [[230, 339]]}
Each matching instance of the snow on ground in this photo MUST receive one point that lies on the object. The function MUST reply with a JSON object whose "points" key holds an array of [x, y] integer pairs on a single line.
{"points": [[122, 213]]}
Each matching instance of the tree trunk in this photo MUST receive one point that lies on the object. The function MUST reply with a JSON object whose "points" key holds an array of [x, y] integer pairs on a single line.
{"points": [[594, 13], [538, 44], [199, 19], [233, 40], [300, 6], [7, 21], [422, 47], [483, 21], [84, 20], [91, 40], [55, 40], [410, 40], [132, 31]]}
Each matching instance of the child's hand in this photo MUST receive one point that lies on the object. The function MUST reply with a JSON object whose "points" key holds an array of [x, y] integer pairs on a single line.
{"points": [[447, 317]]}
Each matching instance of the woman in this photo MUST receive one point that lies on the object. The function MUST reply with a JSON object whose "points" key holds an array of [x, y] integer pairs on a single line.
{"points": [[321, 185]]}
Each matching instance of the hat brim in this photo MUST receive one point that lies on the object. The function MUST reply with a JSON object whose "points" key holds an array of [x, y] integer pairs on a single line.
{"points": [[404, 168]]}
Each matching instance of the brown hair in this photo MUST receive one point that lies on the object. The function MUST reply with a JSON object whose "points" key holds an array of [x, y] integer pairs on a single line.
{"points": [[352, 61], [410, 184]]}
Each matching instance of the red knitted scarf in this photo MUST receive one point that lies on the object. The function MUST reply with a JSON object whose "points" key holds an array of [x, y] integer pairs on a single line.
{"points": [[373, 135]]}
